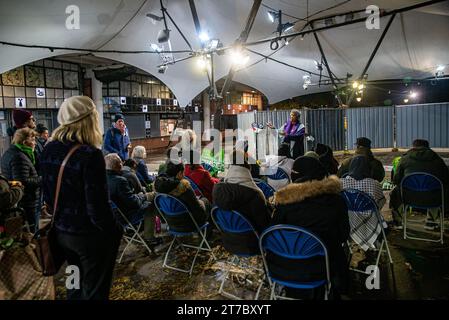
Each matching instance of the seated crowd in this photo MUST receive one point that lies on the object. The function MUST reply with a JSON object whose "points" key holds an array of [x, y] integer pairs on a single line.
{"points": [[87, 229]]}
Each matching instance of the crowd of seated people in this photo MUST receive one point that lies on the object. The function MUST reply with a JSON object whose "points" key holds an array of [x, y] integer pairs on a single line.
{"points": [[312, 200]]}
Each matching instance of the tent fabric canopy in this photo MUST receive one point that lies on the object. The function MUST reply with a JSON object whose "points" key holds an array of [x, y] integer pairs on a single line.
{"points": [[417, 42]]}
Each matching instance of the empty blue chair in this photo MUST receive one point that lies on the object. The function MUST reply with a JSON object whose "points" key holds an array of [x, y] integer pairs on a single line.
{"points": [[295, 246], [279, 179], [366, 223], [430, 191], [181, 223], [267, 190], [131, 226], [239, 238]]}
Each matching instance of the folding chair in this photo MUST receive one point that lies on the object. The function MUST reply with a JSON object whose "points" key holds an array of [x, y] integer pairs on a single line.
{"points": [[131, 226], [207, 166], [295, 245], [366, 223], [241, 240], [267, 190], [279, 175], [195, 187], [173, 210], [421, 182]]}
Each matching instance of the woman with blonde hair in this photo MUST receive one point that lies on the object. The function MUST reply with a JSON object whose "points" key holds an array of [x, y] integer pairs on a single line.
{"points": [[84, 223], [139, 154], [19, 163]]}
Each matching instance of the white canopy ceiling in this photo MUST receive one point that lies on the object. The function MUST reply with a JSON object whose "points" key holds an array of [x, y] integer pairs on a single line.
{"points": [[417, 42]]}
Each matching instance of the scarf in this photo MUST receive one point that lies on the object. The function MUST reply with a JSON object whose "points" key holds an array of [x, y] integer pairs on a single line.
{"points": [[28, 151], [290, 127], [242, 176]]}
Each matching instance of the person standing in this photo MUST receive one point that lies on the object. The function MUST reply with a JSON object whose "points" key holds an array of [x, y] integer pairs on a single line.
{"points": [[42, 137], [85, 226], [293, 132], [22, 119], [18, 163], [116, 139]]}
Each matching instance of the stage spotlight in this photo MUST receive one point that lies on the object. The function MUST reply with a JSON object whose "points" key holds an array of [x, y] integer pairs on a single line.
{"points": [[204, 36], [355, 85], [238, 58]]}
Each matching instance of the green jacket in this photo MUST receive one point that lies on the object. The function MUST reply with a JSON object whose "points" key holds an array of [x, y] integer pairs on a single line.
{"points": [[422, 160], [377, 169]]}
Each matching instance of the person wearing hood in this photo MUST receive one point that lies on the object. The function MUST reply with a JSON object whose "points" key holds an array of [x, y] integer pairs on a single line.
{"points": [[314, 203], [327, 158], [419, 159], [358, 178], [364, 149], [116, 139], [239, 192], [19, 163], [282, 161], [174, 184]]}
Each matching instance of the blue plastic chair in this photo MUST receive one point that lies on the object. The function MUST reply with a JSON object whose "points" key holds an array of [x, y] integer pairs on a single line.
{"points": [[195, 187], [267, 190], [297, 244], [232, 223], [131, 226], [170, 207], [422, 182], [279, 175], [364, 206], [207, 166]]}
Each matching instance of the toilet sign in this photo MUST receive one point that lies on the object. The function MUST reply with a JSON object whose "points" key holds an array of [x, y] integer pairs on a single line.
{"points": [[196, 108], [175, 102], [145, 108], [21, 103], [158, 102], [40, 93], [122, 100]]}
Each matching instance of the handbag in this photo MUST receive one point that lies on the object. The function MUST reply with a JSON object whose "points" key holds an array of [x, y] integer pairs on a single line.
{"points": [[51, 257]]}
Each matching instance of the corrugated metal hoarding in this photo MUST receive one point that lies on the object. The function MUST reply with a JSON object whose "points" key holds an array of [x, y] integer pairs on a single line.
{"points": [[375, 123], [423, 121], [327, 127]]}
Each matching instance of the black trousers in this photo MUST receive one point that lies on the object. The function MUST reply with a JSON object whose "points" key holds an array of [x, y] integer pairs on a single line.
{"points": [[95, 255]]}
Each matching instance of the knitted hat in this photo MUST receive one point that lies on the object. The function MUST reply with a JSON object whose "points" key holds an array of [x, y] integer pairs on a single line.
{"points": [[74, 109], [306, 169], [21, 116], [118, 117], [363, 142]]}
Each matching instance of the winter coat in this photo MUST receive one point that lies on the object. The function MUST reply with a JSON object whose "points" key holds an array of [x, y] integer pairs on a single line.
{"points": [[142, 172], [377, 169], [182, 190], [328, 161], [295, 139], [123, 196], [116, 142], [83, 205], [16, 165], [133, 180], [318, 207], [203, 180], [40, 144]]}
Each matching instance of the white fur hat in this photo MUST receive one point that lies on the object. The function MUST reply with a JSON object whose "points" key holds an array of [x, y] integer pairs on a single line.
{"points": [[74, 109]]}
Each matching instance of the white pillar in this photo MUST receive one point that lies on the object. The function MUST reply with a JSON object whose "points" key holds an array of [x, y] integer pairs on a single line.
{"points": [[97, 95], [206, 113]]}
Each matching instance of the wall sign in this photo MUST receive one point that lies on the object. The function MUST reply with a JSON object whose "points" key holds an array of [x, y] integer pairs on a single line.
{"points": [[196, 108], [147, 124], [40, 92], [158, 102], [21, 103], [145, 108], [122, 100], [175, 102]]}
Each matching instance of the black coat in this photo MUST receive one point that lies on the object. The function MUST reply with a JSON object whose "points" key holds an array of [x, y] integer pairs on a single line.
{"points": [[122, 194], [83, 205], [16, 165], [248, 202], [318, 207]]}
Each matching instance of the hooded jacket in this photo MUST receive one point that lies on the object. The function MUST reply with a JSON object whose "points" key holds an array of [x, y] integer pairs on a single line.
{"points": [[422, 160], [318, 207], [182, 190], [377, 169]]}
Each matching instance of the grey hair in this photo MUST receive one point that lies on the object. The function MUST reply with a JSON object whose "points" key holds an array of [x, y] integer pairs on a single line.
{"points": [[296, 111], [139, 152], [112, 161]]}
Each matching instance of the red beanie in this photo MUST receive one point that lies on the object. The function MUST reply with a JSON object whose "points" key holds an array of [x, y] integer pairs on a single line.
{"points": [[20, 117]]}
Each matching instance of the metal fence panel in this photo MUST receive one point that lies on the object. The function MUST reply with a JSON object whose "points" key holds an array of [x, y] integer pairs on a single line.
{"points": [[327, 127], [375, 123], [423, 121], [277, 118]]}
